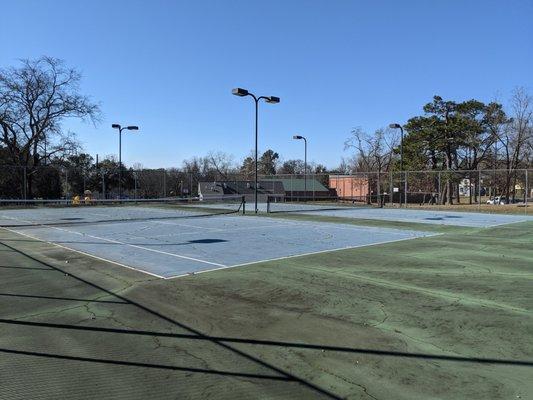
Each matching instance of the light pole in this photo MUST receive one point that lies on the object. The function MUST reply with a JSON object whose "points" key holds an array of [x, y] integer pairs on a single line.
{"points": [[269, 99], [120, 129], [398, 126], [299, 137]]}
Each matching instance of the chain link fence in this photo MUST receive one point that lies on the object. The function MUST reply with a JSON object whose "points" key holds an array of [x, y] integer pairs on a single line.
{"points": [[465, 189]]}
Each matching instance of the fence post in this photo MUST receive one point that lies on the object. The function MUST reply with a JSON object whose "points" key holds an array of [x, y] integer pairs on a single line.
{"points": [[25, 183], [66, 184], [479, 189], [102, 172], [391, 193], [164, 183], [378, 191], [440, 188], [527, 193], [292, 189], [405, 189], [344, 187]]}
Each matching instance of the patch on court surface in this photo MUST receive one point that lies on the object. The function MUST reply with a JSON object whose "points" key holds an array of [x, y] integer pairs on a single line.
{"points": [[167, 246], [466, 219]]}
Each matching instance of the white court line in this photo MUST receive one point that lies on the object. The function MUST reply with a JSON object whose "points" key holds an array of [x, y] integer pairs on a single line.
{"points": [[185, 225], [112, 241], [138, 247], [197, 233], [84, 253], [505, 223], [303, 255], [220, 266], [471, 224]]}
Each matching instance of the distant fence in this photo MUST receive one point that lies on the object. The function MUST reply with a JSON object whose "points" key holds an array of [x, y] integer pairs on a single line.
{"points": [[428, 187], [421, 187]]}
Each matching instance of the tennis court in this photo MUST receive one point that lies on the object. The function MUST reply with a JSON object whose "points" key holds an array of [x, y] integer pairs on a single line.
{"points": [[465, 219], [171, 242], [82, 310]]}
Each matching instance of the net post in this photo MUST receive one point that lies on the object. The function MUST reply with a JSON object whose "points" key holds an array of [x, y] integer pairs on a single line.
{"points": [[243, 204], [526, 193]]}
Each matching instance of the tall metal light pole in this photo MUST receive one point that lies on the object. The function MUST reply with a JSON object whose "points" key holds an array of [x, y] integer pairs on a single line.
{"points": [[269, 99], [120, 129], [398, 126], [299, 137]]}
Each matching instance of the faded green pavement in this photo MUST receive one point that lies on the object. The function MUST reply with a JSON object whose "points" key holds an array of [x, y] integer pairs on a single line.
{"points": [[442, 317]]}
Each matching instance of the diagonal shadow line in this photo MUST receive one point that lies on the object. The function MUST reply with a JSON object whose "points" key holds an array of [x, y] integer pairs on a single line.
{"points": [[145, 365], [61, 298], [241, 353], [39, 269], [341, 349]]}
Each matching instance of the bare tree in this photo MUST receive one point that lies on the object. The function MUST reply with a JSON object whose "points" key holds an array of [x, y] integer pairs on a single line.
{"points": [[222, 163], [35, 99], [516, 137], [373, 152]]}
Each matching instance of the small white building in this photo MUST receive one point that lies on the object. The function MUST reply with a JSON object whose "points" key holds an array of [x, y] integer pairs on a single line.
{"points": [[466, 187]]}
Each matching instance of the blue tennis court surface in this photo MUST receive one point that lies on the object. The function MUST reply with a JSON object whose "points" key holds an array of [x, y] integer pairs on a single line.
{"points": [[174, 247], [458, 218]]}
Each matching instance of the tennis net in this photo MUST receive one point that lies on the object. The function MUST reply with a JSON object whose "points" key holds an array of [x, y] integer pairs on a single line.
{"points": [[20, 213], [287, 204]]}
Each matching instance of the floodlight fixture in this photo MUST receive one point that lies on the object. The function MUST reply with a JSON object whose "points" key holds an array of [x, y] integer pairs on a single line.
{"points": [[268, 99], [272, 99], [240, 92], [120, 129]]}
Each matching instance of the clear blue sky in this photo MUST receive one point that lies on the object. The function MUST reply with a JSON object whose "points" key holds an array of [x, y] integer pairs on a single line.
{"points": [[169, 66]]}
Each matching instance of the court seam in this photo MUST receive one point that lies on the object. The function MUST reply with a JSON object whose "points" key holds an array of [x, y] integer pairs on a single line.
{"points": [[429, 292]]}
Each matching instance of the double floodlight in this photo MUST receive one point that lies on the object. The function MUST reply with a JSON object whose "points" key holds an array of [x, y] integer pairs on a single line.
{"points": [[243, 92], [130, 127]]}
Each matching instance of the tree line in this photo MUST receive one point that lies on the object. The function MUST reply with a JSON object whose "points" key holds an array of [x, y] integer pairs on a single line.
{"points": [[38, 158], [453, 136]]}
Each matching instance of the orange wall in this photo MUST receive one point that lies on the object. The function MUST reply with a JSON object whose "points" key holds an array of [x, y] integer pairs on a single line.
{"points": [[349, 186]]}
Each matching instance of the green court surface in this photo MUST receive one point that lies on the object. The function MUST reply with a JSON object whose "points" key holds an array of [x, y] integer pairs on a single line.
{"points": [[448, 316]]}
